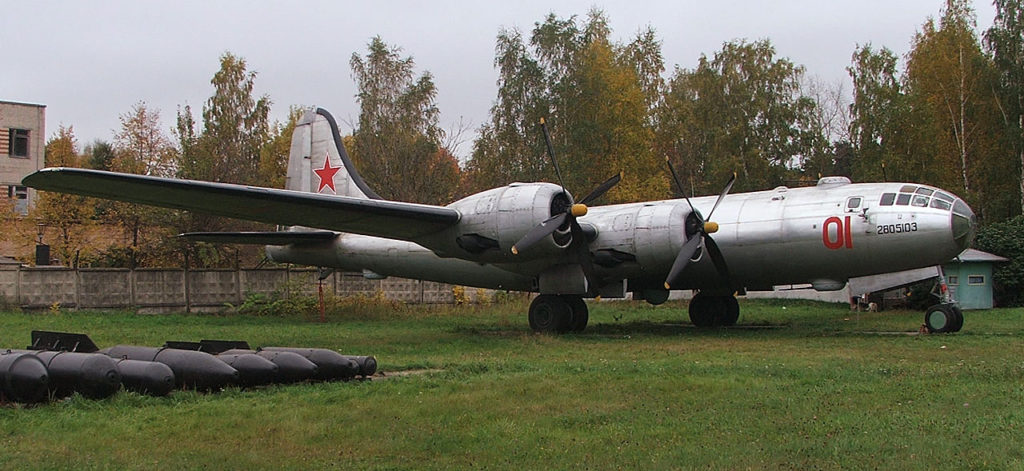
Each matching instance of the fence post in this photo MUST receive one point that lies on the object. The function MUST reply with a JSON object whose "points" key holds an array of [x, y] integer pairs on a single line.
{"points": [[78, 287], [184, 281], [131, 288], [238, 285]]}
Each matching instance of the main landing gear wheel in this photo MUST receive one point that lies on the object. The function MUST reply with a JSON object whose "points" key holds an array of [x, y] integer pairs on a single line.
{"points": [[557, 314], [550, 313], [580, 313], [713, 311], [943, 318]]}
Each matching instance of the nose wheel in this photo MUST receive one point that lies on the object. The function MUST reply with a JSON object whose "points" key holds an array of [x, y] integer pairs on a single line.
{"points": [[943, 318], [714, 311]]}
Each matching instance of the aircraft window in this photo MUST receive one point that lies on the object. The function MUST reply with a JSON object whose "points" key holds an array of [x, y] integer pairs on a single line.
{"points": [[853, 203], [939, 204], [925, 191], [908, 189], [920, 201], [944, 197], [903, 199], [887, 199]]}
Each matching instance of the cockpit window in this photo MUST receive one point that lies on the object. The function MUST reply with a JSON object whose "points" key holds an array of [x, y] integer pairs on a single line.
{"points": [[925, 191], [908, 189], [944, 197], [920, 201], [887, 199], [903, 199], [939, 204], [853, 203]]}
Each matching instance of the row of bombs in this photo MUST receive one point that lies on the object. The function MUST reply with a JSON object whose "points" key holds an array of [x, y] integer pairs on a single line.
{"points": [[62, 368]]}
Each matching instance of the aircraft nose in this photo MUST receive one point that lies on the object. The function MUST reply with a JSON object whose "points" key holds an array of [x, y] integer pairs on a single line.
{"points": [[964, 224]]}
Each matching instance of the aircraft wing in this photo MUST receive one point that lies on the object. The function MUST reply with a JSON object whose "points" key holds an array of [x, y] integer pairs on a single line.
{"points": [[388, 219], [261, 238]]}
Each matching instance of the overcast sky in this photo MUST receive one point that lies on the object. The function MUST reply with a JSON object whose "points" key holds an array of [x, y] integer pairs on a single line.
{"points": [[89, 62]]}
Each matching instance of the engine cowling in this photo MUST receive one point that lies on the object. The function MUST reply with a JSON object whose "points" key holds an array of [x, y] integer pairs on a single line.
{"points": [[494, 220]]}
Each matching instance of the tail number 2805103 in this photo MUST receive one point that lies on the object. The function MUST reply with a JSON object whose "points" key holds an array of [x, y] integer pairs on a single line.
{"points": [[896, 228]]}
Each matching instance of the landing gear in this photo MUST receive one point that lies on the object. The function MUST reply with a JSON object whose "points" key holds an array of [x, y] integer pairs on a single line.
{"points": [[714, 311], [558, 313], [580, 313], [943, 318]]}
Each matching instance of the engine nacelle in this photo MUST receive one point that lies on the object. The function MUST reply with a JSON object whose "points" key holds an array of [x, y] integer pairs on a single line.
{"points": [[494, 220], [650, 235]]}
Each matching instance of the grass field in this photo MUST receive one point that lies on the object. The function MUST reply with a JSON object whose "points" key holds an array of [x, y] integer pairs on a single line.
{"points": [[798, 385]]}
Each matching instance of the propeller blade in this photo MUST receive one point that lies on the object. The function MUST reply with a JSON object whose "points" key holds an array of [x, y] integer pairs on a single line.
{"points": [[580, 245], [539, 232], [685, 253], [602, 189], [551, 153], [716, 257], [725, 191], [679, 184]]}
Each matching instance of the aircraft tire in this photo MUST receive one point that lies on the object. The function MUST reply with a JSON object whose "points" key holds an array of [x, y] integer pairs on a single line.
{"points": [[731, 311], [940, 319], [703, 310], [580, 313], [550, 314], [959, 322]]}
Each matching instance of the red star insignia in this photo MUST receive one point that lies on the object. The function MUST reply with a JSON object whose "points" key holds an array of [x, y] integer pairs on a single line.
{"points": [[326, 175]]}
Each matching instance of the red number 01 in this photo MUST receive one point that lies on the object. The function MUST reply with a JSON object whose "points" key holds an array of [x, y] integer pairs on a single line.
{"points": [[844, 233]]}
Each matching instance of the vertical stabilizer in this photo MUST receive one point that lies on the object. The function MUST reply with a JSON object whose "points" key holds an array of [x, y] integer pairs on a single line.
{"points": [[318, 163]]}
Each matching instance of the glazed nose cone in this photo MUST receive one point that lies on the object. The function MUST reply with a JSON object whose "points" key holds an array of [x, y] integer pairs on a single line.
{"points": [[963, 224]]}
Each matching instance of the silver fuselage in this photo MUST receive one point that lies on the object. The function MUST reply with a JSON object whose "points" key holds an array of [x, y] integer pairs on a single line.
{"points": [[815, 235]]}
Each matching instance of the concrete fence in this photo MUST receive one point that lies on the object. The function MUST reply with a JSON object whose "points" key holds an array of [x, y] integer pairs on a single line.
{"points": [[158, 290]]}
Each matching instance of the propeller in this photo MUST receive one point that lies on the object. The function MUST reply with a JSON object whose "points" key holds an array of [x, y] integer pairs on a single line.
{"points": [[574, 210], [703, 226]]}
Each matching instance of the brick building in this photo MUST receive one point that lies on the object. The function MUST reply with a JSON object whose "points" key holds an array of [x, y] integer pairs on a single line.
{"points": [[22, 144]]}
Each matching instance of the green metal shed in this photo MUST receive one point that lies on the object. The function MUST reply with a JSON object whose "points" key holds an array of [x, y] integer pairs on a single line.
{"points": [[969, 277]]}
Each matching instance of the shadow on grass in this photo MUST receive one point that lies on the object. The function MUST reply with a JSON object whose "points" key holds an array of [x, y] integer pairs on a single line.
{"points": [[618, 329]]}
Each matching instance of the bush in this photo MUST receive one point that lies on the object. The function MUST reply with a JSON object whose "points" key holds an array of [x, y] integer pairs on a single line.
{"points": [[1005, 239]]}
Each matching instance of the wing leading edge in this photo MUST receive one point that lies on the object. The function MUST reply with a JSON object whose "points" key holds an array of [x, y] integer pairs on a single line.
{"points": [[379, 218]]}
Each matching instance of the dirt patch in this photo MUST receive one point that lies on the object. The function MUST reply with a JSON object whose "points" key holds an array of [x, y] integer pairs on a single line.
{"points": [[382, 375]]}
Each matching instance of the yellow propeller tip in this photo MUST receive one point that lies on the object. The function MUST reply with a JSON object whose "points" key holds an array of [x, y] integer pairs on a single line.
{"points": [[515, 251], [542, 121], [668, 287]]}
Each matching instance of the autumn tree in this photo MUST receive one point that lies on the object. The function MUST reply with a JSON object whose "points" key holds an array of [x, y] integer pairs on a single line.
{"points": [[829, 120], [66, 214], [876, 113], [741, 111], [100, 155], [273, 167], [955, 131], [235, 128], [598, 97], [1005, 40], [140, 147], [228, 149], [397, 142]]}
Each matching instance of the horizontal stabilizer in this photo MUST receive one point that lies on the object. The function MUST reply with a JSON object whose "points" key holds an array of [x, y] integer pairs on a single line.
{"points": [[261, 238]]}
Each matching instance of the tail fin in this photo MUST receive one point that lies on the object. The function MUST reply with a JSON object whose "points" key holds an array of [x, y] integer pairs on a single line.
{"points": [[318, 163]]}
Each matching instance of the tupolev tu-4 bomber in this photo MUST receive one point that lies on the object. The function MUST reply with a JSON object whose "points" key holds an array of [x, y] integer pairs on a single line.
{"points": [[537, 237]]}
